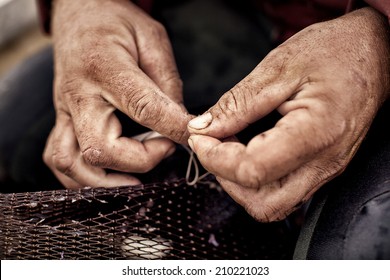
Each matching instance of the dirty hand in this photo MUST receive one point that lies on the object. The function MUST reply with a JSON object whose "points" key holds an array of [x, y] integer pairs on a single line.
{"points": [[328, 82], [111, 55]]}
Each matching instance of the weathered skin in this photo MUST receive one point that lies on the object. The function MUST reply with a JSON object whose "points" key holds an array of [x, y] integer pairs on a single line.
{"points": [[111, 55], [328, 82]]}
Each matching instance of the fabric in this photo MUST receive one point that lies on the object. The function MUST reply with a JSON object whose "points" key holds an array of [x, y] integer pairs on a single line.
{"points": [[289, 16], [349, 218], [294, 15], [26, 118]]}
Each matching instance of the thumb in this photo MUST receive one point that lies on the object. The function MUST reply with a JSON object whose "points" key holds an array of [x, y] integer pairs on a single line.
{"points": [[248, 101]]}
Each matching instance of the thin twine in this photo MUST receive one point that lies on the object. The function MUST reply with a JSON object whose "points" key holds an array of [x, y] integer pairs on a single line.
{"points": [[191, 162]]}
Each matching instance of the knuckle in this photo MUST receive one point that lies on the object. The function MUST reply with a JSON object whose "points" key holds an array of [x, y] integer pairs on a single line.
{"points": [[264, 212], [46, 157], [251, 174], [158, 29], [178, 133], [228, 104], [68, 88], [338, 166], [144, 108], [68, 85], [73, 93], [173, 79], [236, 100], [276, 62], [95, 156], [178, 82], [63, 162], [280, 54], [141, 108], [326, 171]]}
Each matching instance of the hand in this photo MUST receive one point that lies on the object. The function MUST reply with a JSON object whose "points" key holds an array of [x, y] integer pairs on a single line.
{"points": [[328, 82], [111, 55]]}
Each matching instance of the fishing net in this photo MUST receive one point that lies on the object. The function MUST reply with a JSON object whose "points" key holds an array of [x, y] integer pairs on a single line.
{"points": [[167, 220]]}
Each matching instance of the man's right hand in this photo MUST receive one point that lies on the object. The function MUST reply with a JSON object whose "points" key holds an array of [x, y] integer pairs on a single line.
{"points": [[111, 55]]}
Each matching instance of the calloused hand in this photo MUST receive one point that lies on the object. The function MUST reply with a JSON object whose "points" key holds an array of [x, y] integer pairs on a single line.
{"points": [[111, 55], [328, 82]]}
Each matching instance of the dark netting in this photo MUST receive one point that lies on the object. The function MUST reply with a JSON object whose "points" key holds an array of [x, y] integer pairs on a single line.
{"points": [[170, 220]]}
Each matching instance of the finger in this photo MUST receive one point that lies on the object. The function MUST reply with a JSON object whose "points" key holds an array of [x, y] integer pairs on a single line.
{"points": [[265, 204], [48, 159], [255, 96], [99, 135], [295, 139], [131, 91], [276, 200], [67, 160], [217, 157], [254, 200], [66, 181], [156, 59]]}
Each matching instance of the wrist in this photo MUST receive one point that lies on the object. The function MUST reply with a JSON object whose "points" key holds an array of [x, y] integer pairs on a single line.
{"points": [[374, 26]]}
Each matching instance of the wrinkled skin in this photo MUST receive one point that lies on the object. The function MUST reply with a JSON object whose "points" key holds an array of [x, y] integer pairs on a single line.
{"points": [[328, 82], [111, 55]]}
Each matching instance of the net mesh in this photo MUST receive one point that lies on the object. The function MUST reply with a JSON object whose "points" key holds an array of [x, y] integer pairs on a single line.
{"points": [[169, 220]]}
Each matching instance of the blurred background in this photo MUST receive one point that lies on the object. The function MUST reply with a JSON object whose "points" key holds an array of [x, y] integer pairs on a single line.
{"points": [[20, 32]]}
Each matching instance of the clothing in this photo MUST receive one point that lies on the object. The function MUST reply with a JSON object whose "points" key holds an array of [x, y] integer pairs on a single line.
{"points": [[294, 15], [289, 16]]}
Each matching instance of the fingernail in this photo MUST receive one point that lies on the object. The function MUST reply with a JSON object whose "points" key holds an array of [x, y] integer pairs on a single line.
{"points": [[191, 143], [201, 122]]}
